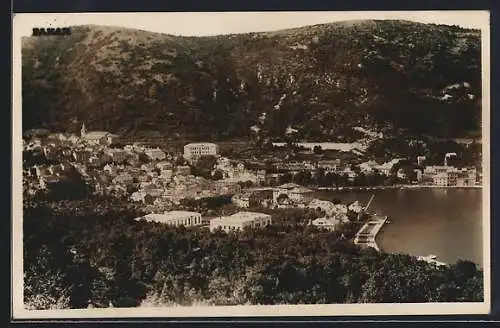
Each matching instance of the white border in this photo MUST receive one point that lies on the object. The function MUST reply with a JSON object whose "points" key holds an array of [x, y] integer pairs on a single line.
{"points": [[18, 311]]}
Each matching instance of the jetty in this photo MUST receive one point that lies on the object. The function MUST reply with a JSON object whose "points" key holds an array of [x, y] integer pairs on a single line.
{"points": [[368, 232]]}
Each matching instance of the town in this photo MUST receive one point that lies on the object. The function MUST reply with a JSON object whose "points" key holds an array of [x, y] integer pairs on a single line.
{"points": [[171, 185]]}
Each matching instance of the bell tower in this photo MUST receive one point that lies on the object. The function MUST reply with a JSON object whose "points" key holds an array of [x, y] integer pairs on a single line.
{"points": [[83, 131]]}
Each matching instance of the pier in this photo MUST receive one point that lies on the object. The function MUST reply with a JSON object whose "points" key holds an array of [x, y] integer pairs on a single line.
{"points": [[367, 234]]}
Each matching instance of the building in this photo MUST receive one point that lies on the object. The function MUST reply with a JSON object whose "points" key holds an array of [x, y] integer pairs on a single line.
{"points": [[455, 177], [386, 168], [294, 192], [443, 180], [401, 174], [96, 137], [418, 174], [155, 154], [239, 221], [174, 218], [183, 170], [241, 200], [368, 167], [326, 223], [194, 151], [117, 155], [431, 171]]}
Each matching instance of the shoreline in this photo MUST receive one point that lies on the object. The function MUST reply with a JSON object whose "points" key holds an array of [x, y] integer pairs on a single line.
{"points": [[402, 187]]}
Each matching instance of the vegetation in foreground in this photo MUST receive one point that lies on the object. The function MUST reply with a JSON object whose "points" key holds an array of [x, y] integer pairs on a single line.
{"points": [[77, 253]]}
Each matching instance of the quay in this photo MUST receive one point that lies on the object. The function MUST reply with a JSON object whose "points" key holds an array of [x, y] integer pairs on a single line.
{"points": [[367, 234]]}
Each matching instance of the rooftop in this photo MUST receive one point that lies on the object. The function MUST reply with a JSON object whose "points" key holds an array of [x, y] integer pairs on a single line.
{"points": [[167, 216], [98, 134], [241, 217]]}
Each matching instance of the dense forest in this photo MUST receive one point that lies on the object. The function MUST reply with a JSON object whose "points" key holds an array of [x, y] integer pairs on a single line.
{"points": [[77, 253], [319, 81]]}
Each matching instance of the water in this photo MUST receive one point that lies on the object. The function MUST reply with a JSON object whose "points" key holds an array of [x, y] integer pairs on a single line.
{"points": [[443, 222]]}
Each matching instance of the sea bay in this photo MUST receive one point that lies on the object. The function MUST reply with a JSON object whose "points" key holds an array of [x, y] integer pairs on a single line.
{"points": [[444, 222]]}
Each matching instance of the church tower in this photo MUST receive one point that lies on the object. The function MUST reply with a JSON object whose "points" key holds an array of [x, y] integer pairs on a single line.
{"points": [[83, 131]]}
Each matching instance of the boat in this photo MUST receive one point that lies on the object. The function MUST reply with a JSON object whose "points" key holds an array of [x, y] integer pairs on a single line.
{"points": [[432, 259]]}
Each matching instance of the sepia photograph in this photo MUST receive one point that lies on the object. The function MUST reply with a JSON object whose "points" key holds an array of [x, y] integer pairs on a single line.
{"points": [[250, 164]]}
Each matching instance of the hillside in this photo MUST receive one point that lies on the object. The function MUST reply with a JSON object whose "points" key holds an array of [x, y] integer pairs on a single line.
{"points": [[314, 83]]}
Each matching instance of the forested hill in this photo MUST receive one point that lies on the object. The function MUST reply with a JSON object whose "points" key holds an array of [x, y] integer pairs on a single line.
{"points": [[316, 81]]}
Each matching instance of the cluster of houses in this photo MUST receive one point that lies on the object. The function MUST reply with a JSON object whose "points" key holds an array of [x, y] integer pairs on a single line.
{"points": [[154, 177]]}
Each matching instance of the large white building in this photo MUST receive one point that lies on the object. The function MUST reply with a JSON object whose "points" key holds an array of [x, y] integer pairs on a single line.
{"points": [[174, 218], [196, 150], [240, 220], [456, 177]]}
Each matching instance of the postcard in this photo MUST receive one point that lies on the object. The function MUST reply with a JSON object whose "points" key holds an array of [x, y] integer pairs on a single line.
{"points": [[250, 164]]}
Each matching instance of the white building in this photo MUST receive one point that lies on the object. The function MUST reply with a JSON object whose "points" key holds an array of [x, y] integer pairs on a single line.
{"points": [[386, 168], [355, 207], [117, 155], [196, 150], [240, 220], [174, 218]]}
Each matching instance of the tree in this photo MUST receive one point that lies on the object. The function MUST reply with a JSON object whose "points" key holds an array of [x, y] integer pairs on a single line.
{"points": [[206, 162], [285, 178], [317, 149], [303, 178], [218, 175], [282, 198]]}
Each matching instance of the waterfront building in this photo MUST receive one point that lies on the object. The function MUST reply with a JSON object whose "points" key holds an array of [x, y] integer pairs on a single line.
{"points": [[164, 166], [116, 155], [368, 167], [240, 220], [174, 218], [418, 174], [294, 192], [401, 174], [194, 151], [386, 168], [453, 176]]}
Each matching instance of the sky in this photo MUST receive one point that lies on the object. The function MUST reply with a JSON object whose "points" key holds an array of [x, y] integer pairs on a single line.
{"points": [[216, 23]]}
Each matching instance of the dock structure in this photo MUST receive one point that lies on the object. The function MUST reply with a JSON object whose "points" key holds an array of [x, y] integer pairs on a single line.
{"points": [[367, 234]]}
